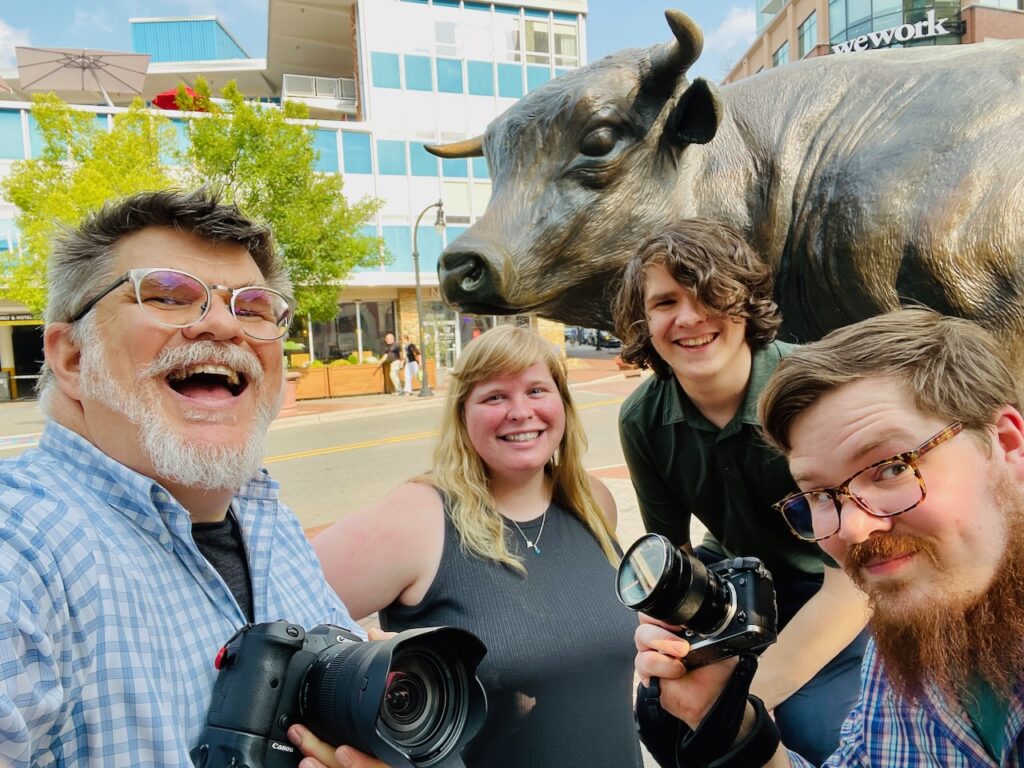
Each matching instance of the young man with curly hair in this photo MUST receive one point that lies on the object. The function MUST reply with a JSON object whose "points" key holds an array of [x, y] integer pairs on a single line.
{"points": [[695, 306]]}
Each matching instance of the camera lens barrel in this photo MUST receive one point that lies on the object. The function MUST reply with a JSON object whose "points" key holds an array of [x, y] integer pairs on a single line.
{"points": [[657, 578]]}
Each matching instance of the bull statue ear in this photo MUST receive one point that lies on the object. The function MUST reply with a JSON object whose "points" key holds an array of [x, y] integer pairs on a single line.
{"points": [[695, 117]]}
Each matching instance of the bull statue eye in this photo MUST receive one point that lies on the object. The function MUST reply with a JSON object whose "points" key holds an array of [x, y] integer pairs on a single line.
{"points": [[600, 141]]}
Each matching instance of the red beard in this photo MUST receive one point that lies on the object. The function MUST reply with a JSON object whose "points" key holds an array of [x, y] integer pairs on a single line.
{"points": [[945, 642]]}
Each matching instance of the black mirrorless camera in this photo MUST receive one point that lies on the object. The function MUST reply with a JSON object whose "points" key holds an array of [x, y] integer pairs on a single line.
{"points": [[412, 700], [725, 609]]}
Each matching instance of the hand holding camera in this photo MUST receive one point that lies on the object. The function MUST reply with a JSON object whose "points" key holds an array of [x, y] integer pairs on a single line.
{"points": [[718, 612], [412, 700]]}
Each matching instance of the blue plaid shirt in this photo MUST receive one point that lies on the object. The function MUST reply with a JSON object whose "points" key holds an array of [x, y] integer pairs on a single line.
{"points": [[110, 617], [885, 731]]}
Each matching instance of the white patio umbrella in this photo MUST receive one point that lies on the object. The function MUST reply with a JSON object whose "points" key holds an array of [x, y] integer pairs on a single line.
{"points": [[81, 69]]}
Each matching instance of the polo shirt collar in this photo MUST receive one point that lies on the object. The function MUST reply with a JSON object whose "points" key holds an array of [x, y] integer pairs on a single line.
{"points": [[679, 408]]}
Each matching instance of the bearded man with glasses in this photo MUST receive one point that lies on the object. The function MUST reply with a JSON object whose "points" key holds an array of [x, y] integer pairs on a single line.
{"points": [[905, 438], [142, 532]]}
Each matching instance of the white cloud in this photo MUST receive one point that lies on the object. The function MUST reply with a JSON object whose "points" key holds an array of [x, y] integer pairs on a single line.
{"points": [[9, 38], [91, 21], [730, 39], [738, 30]]}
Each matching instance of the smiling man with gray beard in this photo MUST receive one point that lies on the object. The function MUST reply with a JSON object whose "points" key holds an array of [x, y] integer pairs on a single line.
{"points": [[142, 533]]}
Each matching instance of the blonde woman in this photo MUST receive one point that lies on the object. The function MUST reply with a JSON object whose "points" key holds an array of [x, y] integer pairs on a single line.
{"points": [[510, 538]]}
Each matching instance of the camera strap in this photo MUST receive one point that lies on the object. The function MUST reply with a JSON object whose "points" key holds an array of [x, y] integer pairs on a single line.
{"points": [[674, 745]]}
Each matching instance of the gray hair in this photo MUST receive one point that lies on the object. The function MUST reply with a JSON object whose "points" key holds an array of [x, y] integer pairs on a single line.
{"points": [[82, 262]]}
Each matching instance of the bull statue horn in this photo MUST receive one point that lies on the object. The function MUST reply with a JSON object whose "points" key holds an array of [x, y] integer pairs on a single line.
{"points": [[473, 147], [672, 58]]}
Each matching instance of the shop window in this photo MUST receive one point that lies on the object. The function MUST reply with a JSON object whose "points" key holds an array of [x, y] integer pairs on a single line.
{"points": [[326, 145], [510, 81], [385, 70], [421, 162], [391, 157], [808, 34], [449, 75], [355, 151], [480, 77], [417, 73], [781, 55]]}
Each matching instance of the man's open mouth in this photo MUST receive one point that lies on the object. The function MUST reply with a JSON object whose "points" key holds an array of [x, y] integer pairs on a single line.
{"points": [[207, 381], [697, 341]]}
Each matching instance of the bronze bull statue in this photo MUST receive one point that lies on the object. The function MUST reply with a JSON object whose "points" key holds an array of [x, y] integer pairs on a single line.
{"points": [[867, 180]]}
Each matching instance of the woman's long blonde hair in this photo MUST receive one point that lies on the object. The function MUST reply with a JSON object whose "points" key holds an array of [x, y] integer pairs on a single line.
{"points": [[461, 475]]}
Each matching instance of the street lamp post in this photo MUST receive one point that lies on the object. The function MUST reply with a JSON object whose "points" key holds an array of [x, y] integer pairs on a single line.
{"points": [[439, 228]]}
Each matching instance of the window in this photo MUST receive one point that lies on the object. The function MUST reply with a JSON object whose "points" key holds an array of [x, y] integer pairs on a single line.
{"points": [[12, 146], [355, 150], [808, 34], [536, 76], [480, 77], [446, 41], [510, 81], [781, 56], [507, 43], [455, 168], [417, 73], [567, 51], [391, 157], [385, 70], [536, 38], [326, 145], [421, 162], [480, 168], [449, 75]]}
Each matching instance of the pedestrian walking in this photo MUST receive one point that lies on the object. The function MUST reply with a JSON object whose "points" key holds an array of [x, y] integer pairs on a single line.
{"points": [[392, 360], [411, 355]]}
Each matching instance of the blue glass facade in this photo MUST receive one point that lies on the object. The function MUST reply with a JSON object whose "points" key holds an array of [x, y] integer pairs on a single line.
{"points": [[184, 40]]}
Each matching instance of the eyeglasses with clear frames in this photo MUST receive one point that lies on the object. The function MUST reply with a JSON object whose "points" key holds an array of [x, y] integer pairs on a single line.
{"points": [[177, 299], [887, 488]]}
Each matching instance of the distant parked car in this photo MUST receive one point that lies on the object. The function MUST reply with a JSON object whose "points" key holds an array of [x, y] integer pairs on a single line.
{"points": [[605, 339]]}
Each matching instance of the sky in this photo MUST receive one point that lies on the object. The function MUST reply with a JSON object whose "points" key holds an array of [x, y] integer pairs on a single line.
{"points": [[729, 25]]}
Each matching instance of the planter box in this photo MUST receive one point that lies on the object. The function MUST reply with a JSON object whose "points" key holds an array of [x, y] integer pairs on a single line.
{"points": [[366, 379], [312, 384]]}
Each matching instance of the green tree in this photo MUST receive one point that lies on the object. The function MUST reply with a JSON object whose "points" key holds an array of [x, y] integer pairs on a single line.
{"points": [[80, 165], [265, 162]]}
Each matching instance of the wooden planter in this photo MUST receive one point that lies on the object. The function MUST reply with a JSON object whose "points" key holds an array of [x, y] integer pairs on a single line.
{"points": [[312, 384], [365, 379]]}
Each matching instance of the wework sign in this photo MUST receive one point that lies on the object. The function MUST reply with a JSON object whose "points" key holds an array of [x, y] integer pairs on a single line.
{"points": [[929, 26]]}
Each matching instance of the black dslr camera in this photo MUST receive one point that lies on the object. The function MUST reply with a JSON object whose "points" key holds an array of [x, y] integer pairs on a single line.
{"points": [[412, 700], [725, 609]]}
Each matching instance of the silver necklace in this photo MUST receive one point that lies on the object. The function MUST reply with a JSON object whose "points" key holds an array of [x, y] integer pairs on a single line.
{"points": [[534, 545]]}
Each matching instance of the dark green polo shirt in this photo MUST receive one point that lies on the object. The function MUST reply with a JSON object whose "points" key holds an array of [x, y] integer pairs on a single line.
{"points": [[681, 464]]}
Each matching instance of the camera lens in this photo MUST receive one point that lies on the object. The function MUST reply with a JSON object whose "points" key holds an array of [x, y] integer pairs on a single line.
{"points": [[659, 579], [415, 696]]}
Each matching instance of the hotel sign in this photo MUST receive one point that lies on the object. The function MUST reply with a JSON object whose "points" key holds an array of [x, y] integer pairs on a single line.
{"points": [[929, 26]]}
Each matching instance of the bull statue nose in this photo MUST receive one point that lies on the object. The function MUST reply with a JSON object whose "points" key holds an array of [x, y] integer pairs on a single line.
{"points": [[467, 279]]}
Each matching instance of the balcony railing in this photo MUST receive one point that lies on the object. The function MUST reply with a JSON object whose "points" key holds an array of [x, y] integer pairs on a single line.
{"points": [[340, 89]]}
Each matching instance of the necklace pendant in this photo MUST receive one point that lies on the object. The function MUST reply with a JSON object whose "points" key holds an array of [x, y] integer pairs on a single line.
{"points": [[530, 544], [536, 549]]}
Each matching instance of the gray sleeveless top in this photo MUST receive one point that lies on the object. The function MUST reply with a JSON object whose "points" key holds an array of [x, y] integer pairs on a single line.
{"points": [[559, 663]]}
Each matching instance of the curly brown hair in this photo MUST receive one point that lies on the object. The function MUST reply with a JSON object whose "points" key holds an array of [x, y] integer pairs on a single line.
{"points": [[712, 259]]}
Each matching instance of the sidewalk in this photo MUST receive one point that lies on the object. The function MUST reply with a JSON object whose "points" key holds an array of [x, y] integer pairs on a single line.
{"points": [[581, 371], [21, 421]]}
